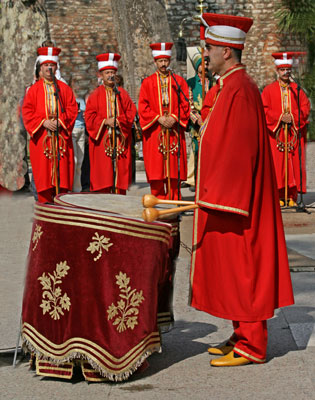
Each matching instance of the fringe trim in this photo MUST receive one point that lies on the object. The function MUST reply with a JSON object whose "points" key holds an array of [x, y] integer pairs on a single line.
{"points": [[29, 348]]}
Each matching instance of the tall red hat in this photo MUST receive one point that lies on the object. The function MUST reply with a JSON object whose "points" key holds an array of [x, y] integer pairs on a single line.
{"points": [[287, 59], [48, 55], [224, 30], [108, 61], [161, 50]]}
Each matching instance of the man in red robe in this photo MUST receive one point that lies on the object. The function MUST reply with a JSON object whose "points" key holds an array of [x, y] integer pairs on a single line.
{"points": [[239, 267], [280, 101], [100, 124], [39, 111], [158, 112]]}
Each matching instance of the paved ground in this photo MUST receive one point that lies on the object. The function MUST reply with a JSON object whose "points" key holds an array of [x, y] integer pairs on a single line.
{"points": [[182, 370]]}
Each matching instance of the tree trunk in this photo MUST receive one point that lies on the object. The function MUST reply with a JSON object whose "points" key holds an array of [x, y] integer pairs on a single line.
{"points": [[137, 24], [23, 27]]}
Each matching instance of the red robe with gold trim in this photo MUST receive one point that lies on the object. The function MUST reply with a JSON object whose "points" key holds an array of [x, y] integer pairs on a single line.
{"points": [[150, 110], [35, 112], [273, 100], [101, 167], [239, 267]]}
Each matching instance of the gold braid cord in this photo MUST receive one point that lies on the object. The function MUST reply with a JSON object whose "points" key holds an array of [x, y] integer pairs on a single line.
{"points": [[120, 144], [291, 144], [163, 148], [47, 145]]}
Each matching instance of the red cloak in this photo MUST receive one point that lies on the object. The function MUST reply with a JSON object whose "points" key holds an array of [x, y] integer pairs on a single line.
{"points": [[239, 268], [97, 111], [35, 112], [273, 105], [150, 109]]}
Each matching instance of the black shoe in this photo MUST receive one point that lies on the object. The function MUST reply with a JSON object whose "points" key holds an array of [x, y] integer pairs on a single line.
{"points": [[192, 188], [184, 185]]}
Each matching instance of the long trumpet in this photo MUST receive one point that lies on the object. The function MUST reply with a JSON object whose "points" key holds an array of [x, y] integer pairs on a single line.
{"points": [[149, 200], [151, 214]]}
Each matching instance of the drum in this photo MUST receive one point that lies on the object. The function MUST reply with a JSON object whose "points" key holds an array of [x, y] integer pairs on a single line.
{"points": [[128, 206], [131, 207], [84, 300]]}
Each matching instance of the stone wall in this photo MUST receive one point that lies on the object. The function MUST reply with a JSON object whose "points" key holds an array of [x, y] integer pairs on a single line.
{"points": [[262, 39], [83, 29]]}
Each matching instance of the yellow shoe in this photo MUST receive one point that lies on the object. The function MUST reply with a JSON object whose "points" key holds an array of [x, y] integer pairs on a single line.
{"points": [[221, 350], [230, 361], [292, 203], [281, 203]]}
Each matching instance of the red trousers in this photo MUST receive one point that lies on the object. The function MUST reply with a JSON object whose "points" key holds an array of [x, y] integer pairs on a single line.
{"points": [[47, 196], [292, 193], [159, 189], [250, 340]]}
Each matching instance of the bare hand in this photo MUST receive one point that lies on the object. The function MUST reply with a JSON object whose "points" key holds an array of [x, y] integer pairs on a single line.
{"points": [[110, 122], [170, 121], [286, 118], [162, 121], [51, 125]]}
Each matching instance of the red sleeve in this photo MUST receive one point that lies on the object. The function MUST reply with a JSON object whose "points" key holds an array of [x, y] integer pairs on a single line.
{"points": [[33, 115], [95, 116], [68, 117], [271, 98], [147, 116], [226, 170], [127, 111], [208, 102], [184, 104], [305, 108]]}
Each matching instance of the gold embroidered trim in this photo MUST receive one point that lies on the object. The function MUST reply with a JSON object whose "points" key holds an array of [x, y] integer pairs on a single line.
{"points": [[63, 125], [56, 301], [36, 236], [231, 72], [99, 131], [220, 207], [100, 242], [127, 309], [36, 129], [230, 39], [159, 93], [150, 123], [193, 256], [106, 228], [161, 226], [84, 346], [109, 221], [255, 359]]}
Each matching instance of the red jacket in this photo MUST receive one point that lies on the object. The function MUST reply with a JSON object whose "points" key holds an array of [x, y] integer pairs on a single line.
{"points": [[35, 112], [272, 98], [150, 110], [239, 267], [97, 111]]}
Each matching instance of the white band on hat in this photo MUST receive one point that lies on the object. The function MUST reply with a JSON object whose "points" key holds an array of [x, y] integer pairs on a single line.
{"points": [[225, 34], [156, 53], [110, 63], [283, 62], [43, 59]]}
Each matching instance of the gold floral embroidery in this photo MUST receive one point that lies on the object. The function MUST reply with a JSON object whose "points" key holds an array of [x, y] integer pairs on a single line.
{"points": [[127, 308], [55, 300], [36, 236], [101, 242]]}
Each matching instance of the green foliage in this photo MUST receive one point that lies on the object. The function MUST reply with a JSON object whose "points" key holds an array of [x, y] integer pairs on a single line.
{"points": [[298, 17]]}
